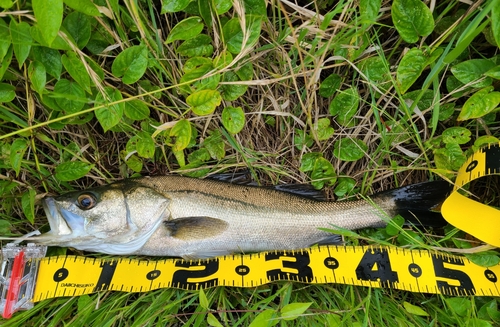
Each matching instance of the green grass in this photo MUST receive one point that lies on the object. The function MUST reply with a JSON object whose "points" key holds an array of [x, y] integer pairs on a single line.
{"points": [[58, 136]]}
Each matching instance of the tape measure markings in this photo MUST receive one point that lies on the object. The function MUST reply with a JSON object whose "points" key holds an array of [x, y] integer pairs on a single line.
{"points": [[411, 270]]}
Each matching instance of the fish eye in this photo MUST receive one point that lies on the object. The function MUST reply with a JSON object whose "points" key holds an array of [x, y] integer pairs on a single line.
{"points": [[86, 201]]}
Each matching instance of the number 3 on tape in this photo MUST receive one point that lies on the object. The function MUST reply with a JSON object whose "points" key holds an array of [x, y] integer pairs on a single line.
{"points": [[475, 218]]}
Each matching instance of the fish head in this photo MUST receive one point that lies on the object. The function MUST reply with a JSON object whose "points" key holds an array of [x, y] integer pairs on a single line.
{"points": [[115, 219]]}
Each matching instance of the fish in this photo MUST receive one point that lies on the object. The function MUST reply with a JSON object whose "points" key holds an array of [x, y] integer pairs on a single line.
{"points": [[192, 218]]}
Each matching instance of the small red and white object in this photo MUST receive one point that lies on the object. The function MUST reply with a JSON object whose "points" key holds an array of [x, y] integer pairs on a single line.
{"points": [[18, 271]]}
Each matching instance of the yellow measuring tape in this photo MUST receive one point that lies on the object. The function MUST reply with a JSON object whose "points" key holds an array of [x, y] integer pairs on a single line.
{"points": [[410, 270], [473, 217], [376, 266]]}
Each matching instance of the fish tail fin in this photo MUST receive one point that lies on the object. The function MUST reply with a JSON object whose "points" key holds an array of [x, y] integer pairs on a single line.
{"points": [[419, 204]]}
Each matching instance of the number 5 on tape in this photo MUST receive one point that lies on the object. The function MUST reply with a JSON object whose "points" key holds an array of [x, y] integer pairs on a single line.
{"points": [[475, 218]]}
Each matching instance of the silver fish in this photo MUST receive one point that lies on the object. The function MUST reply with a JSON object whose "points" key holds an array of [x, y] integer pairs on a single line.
{"points": [[194, 218]]}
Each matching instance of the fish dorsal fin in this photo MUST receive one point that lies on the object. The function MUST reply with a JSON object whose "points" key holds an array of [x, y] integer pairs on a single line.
{"points": [[241, 177], [304, 190], [195, 228]]}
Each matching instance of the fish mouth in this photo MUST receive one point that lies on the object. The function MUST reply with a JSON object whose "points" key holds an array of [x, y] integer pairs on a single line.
{"points": [[58, 224]]}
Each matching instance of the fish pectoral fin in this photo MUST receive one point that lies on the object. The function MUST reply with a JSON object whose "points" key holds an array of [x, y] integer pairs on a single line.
{"points": [[331, 240], [195, 228]]}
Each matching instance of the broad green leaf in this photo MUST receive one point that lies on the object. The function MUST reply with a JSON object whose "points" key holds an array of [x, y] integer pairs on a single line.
{"points": [[76, 70], [409, 237], [301, 139], [70, 96], [199, 156], [17, 151], [28, 205], [377, 71], [51, 60], [203, 299], [345, 185], [182, 134], [174, 6], [79, 27], [472, 70], [136, 110], [58, 44], [231, 92], [324, 131], [233, 119], [446, 110], [21, 40], [255, 7], [185, 29], [131, 145], [458, 135], [7, 92], [197, 64], [135, 163], [131, 64], [205, 12], [245, 73], [223, 60], [345, 106], [222, 6], [493, 72], [37, 76], [204, 102], [100, 39], [369, 10], [414, 310], [5, 63], [109, 115], [196, 68], [5, 39], [308, 160], [348, 149], [215, 145], [483, 140], [394, 226], [322, 173], [200, 45], [479, 104], [6, 4], [266, 318], [145, 145], [330, 85], [455, 87], [84, 6], [460, 305], [294, 310], [495, 21], [49, 15], [5, 226], [69, 171], [99, 73], [212, 321], [450, 157], [412, 18], [234, 35], [484, 259], [410, 68], [208, 83], [69, 151]]}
